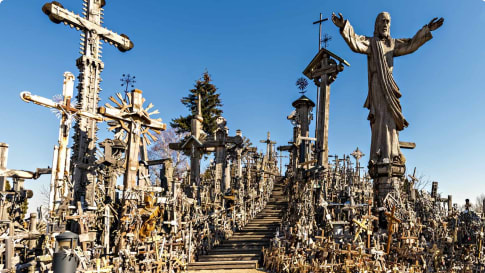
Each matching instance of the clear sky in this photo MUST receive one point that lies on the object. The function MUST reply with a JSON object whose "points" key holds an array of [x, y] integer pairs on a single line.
{"points": [[255, 51]]}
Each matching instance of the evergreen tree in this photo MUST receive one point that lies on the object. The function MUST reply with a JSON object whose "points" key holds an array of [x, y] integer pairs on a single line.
{"points": [[210, 106]]}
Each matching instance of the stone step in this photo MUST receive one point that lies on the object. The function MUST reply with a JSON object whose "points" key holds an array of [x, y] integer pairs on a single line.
{"points": [[239, 244], [249, 230], [249, 237], [259, 228], [230, 257], [237, 248], [253, 250], [223, 265]]}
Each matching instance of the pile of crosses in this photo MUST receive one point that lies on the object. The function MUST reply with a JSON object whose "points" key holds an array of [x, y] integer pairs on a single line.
{"points": [[342, 220], [93, 223]]}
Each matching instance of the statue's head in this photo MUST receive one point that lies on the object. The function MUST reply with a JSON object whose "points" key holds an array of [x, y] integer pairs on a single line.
{"points": [[382, 27]]}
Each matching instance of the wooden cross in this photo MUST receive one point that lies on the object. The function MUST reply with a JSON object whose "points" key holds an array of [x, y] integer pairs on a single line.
{"points": [[90, 67], [349, 261], [409, 239], [391, 219]]}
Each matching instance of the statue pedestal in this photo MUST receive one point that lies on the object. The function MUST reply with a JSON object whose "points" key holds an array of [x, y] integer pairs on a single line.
{"points": [[387, 177]]}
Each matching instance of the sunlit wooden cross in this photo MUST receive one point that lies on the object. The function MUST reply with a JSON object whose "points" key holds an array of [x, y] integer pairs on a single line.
{"points": [[361, 226], [391, 219]]}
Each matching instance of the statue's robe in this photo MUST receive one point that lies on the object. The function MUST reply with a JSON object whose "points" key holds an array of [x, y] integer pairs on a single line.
{"points": [[385, 113]]}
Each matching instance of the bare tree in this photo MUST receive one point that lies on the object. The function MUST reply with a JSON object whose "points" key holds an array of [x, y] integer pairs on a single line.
{"points": [[478, 205], [422, 182], [44, 194], [160, 150]]}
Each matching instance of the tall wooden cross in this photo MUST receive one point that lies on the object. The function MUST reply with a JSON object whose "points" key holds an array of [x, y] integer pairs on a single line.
{"points": [[90, 67]]}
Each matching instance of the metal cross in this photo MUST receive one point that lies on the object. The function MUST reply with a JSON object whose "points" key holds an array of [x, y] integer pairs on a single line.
{"points": [[320, 30], [128, 82], [326, 38]]}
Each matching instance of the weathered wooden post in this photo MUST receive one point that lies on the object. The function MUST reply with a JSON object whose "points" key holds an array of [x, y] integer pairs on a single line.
{"points": [[323, 70], [3, 163]]}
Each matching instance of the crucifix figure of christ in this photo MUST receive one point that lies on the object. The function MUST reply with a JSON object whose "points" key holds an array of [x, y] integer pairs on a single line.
{"points": [[385, 113], [132, 123], [90, 67], [59, 189]]}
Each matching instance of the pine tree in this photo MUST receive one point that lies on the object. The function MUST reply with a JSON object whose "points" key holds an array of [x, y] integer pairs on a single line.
{"points": [[210, 106]]}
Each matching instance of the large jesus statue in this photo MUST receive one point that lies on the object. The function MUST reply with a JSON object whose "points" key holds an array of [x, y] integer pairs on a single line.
{"points": [[385, 114]]}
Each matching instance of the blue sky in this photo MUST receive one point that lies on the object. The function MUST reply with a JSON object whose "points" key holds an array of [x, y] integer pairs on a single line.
{"points": [[255, 51]]}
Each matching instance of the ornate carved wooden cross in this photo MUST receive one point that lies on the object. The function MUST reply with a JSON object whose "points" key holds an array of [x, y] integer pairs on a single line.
{"points": [[90, 67], [135, 120], [370, 219]]}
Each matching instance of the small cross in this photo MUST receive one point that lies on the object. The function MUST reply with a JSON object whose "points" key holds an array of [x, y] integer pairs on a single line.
{"points": [[326, 38]]}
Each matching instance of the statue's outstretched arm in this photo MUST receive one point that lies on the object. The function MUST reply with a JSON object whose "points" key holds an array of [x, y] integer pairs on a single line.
{"points": [[357, 43], [407, 46]]}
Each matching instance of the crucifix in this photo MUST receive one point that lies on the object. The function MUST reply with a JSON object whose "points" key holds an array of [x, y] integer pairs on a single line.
{"points": [[391, 219], [323, 70], [61, 165], [90, 67]]}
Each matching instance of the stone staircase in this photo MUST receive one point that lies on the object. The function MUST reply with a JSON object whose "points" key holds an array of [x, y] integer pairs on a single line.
{"points": [[243, 249]]}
